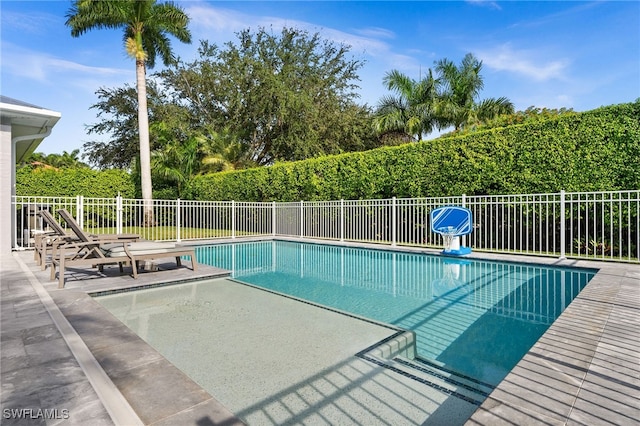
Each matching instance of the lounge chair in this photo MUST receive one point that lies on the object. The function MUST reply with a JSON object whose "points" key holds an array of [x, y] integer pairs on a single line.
{"points": [[95, 252], [83, 236], [57, 235], [44, 240], [148, 250]]}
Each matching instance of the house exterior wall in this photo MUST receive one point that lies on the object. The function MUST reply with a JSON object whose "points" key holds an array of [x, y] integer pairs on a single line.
{"points": [[7, 186]]}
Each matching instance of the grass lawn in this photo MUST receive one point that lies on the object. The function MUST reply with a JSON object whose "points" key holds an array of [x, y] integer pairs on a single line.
{"points": [[168, 232]]}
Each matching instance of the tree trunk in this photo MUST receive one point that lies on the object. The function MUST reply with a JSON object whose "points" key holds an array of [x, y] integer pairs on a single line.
{"points": [[145, 148]]}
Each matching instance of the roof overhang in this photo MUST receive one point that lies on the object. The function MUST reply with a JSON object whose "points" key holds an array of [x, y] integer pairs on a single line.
{"points": [[29, 125]]}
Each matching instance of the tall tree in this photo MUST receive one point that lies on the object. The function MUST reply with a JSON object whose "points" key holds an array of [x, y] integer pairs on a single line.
{"points": [[409, 114], [283, 97], [459, 87], [118, 117], [117, 114], [146, 25]]}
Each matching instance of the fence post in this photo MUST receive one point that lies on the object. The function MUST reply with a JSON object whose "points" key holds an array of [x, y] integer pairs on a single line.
{"points": [[342, 219], [463, 240], [273, 218], [394, 219], [178, 220], [118, 214], [562, 225], [233, 218], [80, 210], [14, 222], [301, 219]]}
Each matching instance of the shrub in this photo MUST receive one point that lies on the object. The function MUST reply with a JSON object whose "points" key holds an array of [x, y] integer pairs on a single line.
{"points": [[591, 151], [73, 182]]}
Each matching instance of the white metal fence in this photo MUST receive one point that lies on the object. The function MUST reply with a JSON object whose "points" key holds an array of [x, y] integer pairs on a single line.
{"points": [[594, 225]]}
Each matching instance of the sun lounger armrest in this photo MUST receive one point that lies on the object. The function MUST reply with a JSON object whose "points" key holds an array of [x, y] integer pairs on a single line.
{"points": [[60, 248], [154, 250], [115, 237], [37, 232]]}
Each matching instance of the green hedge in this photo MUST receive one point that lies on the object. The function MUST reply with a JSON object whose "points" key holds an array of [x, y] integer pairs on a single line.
{"points": [[72, 182], [592, 151]]}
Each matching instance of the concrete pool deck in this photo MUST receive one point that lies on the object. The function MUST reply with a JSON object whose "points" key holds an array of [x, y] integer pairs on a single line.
{"points": [[584, 370]]}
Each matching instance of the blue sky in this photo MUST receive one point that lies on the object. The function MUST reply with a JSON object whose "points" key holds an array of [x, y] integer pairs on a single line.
{"points": [[579, 55]]}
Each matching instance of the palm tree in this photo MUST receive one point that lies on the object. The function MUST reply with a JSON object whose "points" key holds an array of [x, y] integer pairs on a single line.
{"points": [[459, 87], [146, 25], [224, 151], [410, 114], [66, 159], [185, 154], [176, 163]]}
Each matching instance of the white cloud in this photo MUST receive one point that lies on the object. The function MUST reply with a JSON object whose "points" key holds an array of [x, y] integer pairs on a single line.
{"points": [[523, 62], [485, 3], [376, 32], [38, 66], [32, 23], [208, 21], [61, 65]]}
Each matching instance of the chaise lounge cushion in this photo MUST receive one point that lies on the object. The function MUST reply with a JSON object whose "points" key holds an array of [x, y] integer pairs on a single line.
{"points": [[137, 248]]}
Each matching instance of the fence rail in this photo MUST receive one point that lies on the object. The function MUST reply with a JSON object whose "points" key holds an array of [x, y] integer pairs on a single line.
{"points": [[590, 225]]}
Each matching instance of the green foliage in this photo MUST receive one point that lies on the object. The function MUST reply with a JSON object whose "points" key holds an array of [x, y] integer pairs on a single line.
{"points": [[448, 99], [409, 114], [73, 182], [282, 97], [458, 89], [529, 115], [591, 151], [65, 160], [268, 98], [146, 25], [118, 113]]}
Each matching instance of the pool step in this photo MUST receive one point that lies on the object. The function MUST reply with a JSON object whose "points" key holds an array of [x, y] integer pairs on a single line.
{"points": [[398, 353], [442, 381], [471, 389], [402, 344]]}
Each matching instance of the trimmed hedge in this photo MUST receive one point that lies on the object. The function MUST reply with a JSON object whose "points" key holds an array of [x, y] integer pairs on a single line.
{"points": [[591, 151], [72, 182], [597, 150]]}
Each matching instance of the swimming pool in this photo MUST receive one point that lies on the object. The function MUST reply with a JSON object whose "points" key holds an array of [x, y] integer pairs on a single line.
{"points": [[477, 318]]}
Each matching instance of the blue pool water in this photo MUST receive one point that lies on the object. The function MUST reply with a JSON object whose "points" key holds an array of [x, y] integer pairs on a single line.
{"points": [[475, 317]]}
